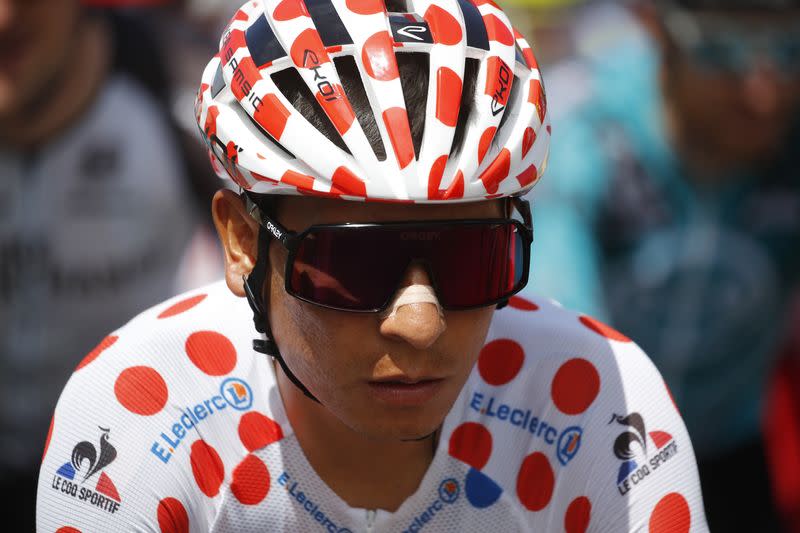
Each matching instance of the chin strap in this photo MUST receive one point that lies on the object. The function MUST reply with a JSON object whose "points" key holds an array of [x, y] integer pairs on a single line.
{"points": [[253, 287]]}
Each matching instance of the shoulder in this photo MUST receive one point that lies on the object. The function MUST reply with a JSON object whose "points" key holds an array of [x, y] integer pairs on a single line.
{"points": [[566, 414], [169, 403]]}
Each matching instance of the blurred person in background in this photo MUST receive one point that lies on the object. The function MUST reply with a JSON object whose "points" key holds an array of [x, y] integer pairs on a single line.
{"points": [[672, 210], [84, 217]]}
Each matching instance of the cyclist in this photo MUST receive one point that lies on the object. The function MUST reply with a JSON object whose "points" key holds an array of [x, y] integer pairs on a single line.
{"points": [[381, 150]]}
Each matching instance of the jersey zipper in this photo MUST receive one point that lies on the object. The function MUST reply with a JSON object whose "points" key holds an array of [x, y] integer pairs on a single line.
{"points": [[371, 514]]}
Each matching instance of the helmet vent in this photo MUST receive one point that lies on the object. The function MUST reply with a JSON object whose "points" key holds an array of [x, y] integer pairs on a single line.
{"points": [[354, 89], [291, 84], [471, 67]]}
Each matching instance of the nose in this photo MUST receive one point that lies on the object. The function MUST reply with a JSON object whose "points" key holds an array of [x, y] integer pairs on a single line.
{"points": [[419, 323], [761, 87]]}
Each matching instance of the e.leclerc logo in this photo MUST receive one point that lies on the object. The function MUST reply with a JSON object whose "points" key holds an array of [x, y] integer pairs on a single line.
{"points": [[309, 504], [633, 471], [567, 441], [72, 477], [234, 393], [448, 493]]}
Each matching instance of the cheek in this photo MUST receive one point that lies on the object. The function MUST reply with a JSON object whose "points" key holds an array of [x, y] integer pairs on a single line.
{"points": [[309, 337]]}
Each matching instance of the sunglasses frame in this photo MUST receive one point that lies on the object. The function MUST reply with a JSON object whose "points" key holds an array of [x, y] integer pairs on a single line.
{"points": [[291, 241]]}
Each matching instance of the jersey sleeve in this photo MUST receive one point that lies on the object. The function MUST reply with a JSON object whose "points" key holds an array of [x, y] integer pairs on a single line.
{"points": [[149, 429], [96, 476], [644, 477]]}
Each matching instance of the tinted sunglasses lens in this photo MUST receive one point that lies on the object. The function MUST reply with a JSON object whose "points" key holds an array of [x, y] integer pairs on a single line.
{"points": [[360, 268], [482, 264], [346, 268]]}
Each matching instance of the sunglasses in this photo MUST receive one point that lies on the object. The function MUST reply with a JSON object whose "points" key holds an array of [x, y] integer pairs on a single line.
{"points": [[358, 267], [735, 48]]}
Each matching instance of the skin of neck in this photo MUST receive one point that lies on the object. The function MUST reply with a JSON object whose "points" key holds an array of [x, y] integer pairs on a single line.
{"points": [[365, 472], [46, 114]]}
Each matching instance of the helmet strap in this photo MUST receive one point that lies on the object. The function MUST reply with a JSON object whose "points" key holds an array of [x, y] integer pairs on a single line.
{"points": [[253, 287]]}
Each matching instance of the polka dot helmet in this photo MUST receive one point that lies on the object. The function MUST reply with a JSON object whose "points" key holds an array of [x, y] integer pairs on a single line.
{"points": [[484, 131]]}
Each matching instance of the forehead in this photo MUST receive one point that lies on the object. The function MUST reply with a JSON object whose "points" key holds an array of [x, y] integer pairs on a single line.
{"points": [[300, 212]]}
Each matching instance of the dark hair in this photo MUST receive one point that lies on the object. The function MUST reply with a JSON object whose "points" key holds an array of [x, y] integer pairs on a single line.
{"points": [[413, 69]]}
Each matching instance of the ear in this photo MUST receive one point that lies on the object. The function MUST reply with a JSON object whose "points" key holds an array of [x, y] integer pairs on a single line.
{"points": [[238, 233]]}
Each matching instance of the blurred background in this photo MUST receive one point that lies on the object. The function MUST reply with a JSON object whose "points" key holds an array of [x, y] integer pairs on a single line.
{"points": [[670, 208]]}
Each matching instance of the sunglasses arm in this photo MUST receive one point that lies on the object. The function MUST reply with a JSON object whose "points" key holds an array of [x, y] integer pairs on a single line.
{"points": [[287, 238], [523, 207]]}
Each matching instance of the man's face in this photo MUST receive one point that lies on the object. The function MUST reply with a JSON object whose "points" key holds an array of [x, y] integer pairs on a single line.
{"points": [[36, 41], [734, 80], [344, 358]]}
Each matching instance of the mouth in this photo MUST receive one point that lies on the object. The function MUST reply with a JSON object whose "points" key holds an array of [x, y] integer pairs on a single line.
{"points": [[405, 391]]}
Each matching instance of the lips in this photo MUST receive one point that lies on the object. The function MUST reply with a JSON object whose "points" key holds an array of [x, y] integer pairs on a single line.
{"points": [[405, 391]]}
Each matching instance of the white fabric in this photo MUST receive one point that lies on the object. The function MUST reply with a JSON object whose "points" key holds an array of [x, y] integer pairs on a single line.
{"points": [[529, 445]]}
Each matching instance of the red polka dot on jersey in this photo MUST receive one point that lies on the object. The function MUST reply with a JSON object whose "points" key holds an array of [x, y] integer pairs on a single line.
{"points": [[445, 29], [182, 306], [378, 57], [207, 468], [535, 482], [49, 434], [105, 344], [471, 443], [671, 397], [257, 430], [141, 390], [251, 481], [578, 515], [172, 516], [523, 304], [211, 352], [575, 386], [604, 330], [67, 529], [500, 361], [671, 515]]}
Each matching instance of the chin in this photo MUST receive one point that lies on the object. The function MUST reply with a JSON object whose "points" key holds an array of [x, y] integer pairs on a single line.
{"points": [[399, 427]]}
